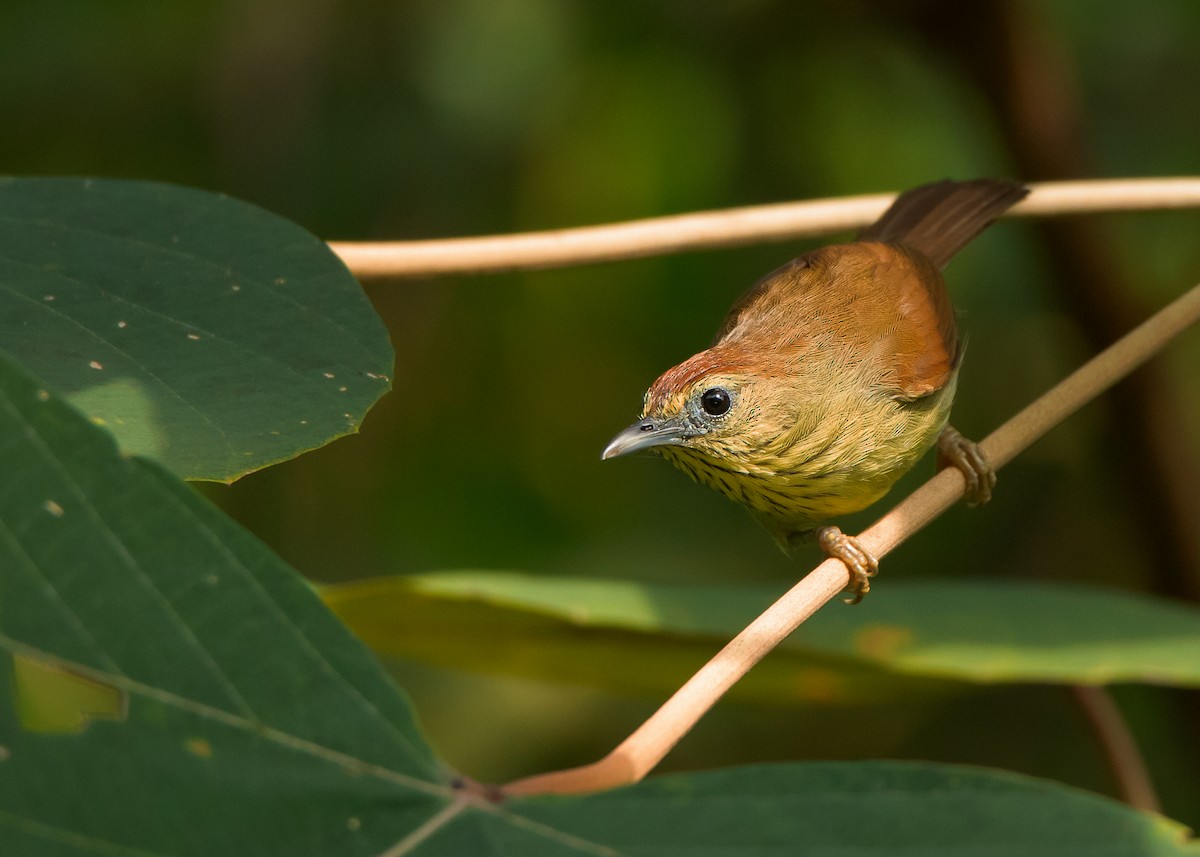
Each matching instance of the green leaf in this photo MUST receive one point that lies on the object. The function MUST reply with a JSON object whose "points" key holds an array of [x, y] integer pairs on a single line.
{"points": [[249, 722], [201, 331], [244, 710], [591, 630], [587, 632]]}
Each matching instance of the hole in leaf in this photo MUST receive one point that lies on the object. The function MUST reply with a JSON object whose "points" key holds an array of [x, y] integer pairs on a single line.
{"points": [[52, 698]]}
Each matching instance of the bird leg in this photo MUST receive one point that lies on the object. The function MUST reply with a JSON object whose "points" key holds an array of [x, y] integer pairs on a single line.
{"points": [[857, 559], [954, 450]]}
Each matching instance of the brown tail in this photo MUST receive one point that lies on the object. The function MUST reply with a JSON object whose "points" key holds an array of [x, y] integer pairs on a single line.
{"points": [[940, 218]]}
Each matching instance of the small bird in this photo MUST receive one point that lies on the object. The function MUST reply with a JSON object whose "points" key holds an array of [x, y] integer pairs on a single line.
{"points": [[831, 377]]}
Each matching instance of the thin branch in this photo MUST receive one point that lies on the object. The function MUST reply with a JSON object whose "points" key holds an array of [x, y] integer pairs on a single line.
{"points": [[638, 754], [1120, 749], [726, 228]]}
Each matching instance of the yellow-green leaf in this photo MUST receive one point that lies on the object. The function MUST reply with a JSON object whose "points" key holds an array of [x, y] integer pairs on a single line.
{"points": [[593, 630]]}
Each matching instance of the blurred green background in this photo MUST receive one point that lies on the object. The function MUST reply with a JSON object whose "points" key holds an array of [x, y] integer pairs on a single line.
{"points": [[364, 119]]}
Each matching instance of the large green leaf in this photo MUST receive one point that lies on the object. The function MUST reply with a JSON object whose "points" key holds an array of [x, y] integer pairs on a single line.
{"points": [[200, 330], [592, 630], [248, 712], [168, 687]]}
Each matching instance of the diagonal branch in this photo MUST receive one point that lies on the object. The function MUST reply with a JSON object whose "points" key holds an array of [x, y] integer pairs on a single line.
{"points": [[638, 754], [725, 228]]}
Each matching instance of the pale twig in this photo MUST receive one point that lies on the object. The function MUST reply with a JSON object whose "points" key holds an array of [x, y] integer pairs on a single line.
{"points": [[1120, 749], [642, 750], [725, 228]]}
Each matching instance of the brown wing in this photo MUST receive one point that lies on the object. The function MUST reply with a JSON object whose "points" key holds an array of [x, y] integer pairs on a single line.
{"points": [[923, 349], [884, 304], [936, 219]]}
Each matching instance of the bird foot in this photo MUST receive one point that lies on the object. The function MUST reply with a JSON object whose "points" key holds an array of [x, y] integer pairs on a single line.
{"points": [[954, 450], [857, 559]]}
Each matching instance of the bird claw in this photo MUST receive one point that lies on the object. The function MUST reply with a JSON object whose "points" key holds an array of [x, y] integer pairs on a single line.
{"points": [[956, 451], [857, 559]]}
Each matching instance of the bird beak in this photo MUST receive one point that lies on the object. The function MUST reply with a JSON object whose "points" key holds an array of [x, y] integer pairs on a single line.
{"points": [[646, 434]]}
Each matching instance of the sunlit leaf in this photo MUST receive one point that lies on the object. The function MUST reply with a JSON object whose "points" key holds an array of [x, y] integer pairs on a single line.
{"points": [[592, 630]]}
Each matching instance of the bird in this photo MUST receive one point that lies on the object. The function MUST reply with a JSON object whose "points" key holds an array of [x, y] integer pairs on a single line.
{"points": [[831, 376]]}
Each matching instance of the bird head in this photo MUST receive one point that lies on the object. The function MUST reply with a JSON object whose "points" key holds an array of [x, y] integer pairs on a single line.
{"points": [[708, 405]]}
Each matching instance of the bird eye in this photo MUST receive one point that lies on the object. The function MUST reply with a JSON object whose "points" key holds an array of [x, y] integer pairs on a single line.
{"points": [[715, 401]]}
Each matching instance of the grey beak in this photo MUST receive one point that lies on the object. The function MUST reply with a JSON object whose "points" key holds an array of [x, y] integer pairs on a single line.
{"points": [[645, 434]]}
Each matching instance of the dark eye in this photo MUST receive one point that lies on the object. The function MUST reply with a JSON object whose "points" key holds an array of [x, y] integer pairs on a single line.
{"points": [[715, 401]]}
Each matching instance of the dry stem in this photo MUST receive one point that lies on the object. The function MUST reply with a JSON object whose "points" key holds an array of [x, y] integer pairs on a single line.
{"points": [[1120, 749], [642, 750], [725, 228]]}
